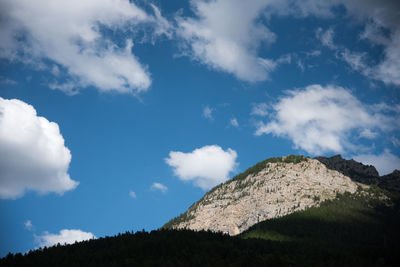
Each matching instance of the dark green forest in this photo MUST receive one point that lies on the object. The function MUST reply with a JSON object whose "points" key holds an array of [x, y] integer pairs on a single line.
{"points": [[353, 230]]}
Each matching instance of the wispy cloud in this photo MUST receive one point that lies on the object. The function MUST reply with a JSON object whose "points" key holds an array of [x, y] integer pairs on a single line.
{"points": [[28, 225], [159, 187], [259, 109], [208, 113], [132, 194], [234, 122]]}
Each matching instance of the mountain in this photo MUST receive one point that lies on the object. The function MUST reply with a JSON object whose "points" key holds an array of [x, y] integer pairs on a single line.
{"points": [[272, 188], [339, 221]]}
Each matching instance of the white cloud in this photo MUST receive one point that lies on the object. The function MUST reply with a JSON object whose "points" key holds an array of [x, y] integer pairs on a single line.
{"points": [[205, 167], [385, 71], [207, 113], [326, 37], [7, 81], [395, 141], [385, 162], [320, 119], [314, 53], [33, 155], [356, 60], [66, 236], [159, 187], [300, 64], [234, 122], [55, 70], [217, 38], [259, 109], [28, 225], [388, 69], [367, 133], [382, 27], [69, 33], [132, 194]]}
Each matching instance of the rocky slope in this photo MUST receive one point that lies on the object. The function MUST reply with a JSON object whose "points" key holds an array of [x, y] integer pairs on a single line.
{"points": [[365, 174], [270, 189]]}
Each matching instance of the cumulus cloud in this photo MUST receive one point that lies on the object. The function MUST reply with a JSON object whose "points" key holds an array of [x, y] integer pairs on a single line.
{"points": [[70, 35], [33, 155], [320, 119], [234, 122], [259, 109], [205, 167], [385, 162], [159, 187], [66, 236], [217, 38]]}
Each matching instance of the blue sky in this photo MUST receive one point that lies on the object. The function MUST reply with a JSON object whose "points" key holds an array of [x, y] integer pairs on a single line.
{"points": [[117, 115]]}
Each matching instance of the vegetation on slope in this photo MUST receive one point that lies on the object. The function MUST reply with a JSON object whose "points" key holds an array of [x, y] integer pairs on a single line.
{"points": [[363, 226], [262, 164], [183, 217]]}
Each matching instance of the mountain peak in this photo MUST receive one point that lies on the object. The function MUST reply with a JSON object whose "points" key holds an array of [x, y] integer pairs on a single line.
{"points": [[272, 188]]}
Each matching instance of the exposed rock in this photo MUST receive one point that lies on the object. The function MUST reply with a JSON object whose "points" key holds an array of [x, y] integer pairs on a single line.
{"points": [[275, 190], [366, 174]]}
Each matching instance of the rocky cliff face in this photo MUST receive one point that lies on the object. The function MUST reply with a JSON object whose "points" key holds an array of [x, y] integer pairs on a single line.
{"points": [[270, 189], [365, 174]]}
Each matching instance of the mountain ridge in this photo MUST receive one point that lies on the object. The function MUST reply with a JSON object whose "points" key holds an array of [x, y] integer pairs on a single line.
{"points": [[365, 174]]}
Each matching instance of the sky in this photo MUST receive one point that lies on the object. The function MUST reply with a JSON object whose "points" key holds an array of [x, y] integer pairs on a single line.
{"points": [[117, 115]]}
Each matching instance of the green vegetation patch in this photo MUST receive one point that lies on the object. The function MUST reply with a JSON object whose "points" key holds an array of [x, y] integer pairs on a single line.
{"points": [[262, 164], [350, 220]]}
